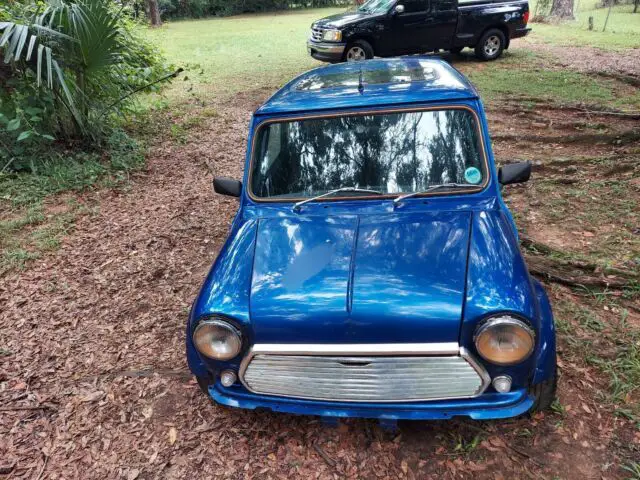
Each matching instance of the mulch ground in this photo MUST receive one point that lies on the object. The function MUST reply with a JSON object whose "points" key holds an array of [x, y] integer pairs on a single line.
{"points": [[93, 380]]}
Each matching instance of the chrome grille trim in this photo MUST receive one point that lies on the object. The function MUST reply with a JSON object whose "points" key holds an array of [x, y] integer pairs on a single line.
{"points": [[316, 34], [378, 373]]}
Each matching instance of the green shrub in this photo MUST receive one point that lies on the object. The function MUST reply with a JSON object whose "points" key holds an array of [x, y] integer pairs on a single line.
{"points": [[69, 69]]}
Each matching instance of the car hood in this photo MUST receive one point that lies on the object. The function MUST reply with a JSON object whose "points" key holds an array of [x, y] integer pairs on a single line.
{"points": [[341, 19], [360, 279]]}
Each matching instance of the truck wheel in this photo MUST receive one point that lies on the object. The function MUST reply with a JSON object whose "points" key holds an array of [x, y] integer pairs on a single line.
{"points": [[544, 393], [491, 45], [358, 51]]}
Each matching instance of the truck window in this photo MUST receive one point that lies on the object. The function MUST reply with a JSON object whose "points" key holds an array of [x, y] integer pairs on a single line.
{"points": [[414, 6], [443, 5]]}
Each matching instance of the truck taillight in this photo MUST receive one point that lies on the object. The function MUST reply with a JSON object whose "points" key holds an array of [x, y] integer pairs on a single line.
{"points": [[526, 17]]}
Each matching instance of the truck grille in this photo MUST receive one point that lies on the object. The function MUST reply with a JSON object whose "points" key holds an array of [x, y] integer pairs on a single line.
{"points": [[364, 379], [316, 34]]}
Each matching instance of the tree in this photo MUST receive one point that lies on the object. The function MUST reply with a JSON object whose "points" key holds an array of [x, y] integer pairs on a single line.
{"points": [[154, 13], [562, 9]]}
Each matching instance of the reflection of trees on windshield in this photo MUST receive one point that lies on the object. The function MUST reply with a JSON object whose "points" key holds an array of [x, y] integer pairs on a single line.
{"points": [[399, 152], [376, 6]]}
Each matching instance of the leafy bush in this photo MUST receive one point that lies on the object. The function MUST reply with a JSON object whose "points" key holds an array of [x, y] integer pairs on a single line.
{"points": [[67, 68]]}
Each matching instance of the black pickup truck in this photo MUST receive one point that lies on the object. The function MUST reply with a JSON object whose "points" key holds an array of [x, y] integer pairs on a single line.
{"points": [[386, 28]]}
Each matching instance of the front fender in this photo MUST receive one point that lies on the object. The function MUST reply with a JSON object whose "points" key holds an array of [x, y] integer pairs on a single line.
{"points": [[546, 359], [498, 281], [226, 291]]}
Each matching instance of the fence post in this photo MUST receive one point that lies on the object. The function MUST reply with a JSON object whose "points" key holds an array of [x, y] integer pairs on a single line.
{"points": [[608, 13], [590, 23]]}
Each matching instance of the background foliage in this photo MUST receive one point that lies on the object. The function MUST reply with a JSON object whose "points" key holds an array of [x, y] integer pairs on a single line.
{"points": [[68, 69], [204, 8]]}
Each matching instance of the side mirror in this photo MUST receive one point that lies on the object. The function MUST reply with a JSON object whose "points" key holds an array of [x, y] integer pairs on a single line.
{"points": [[227, 186], [514, 173], [398, 9]]}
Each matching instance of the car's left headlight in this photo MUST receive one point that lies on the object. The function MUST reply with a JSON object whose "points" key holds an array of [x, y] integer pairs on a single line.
{"points": [[332, 35], [217, 339], [504, 340]]}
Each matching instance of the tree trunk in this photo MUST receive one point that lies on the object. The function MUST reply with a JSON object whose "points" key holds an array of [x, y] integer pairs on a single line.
{"points": [[635, 6], [562, 9], [154, 13]]}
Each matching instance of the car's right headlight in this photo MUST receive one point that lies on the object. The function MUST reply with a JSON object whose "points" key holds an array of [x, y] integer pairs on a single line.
{"points": [[504, 340], [217, 339], [332, 35]]}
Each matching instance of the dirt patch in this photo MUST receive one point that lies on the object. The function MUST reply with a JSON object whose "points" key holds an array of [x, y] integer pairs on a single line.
{"points": [[92, 341], [590, 59]]}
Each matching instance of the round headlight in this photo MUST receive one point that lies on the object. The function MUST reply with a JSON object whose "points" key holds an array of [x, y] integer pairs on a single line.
{"points": [[217, 339], [504, 340]]}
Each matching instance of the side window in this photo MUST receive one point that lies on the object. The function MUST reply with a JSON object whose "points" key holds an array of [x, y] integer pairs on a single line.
{"points": [[414, 6], [272, 147], [443, 5]]}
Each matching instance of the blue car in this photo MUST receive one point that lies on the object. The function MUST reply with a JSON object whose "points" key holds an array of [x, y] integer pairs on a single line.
{"points": [[372, 269]]}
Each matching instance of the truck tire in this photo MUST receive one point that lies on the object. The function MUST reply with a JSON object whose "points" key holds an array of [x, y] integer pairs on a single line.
{"points": [[491, 45], [358, 51], [544, 393]]}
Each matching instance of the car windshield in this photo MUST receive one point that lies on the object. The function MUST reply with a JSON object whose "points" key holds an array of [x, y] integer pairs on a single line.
{"points": [[376, 6], [391, 153]]}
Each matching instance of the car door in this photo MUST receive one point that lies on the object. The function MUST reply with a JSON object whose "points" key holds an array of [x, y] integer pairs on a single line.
{"points": [[409, 31], [441, 22]]}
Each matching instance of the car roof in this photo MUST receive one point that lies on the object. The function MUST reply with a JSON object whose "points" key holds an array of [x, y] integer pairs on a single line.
{"points": [[396, 81]]}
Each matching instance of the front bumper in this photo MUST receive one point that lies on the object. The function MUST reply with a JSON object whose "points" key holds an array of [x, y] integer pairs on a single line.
{"points": [[326, 51], [521, 32], [485, 407]]}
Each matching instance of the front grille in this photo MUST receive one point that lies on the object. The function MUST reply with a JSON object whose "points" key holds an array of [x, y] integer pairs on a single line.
{"points": [[316, 34], [364, 379]]}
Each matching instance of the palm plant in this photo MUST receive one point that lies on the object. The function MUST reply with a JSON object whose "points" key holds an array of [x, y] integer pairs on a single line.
{"points": [[81, 51]]}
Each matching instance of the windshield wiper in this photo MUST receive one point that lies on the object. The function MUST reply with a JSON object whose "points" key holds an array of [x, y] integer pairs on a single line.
{"points": [[399, 199], [296, 206]]}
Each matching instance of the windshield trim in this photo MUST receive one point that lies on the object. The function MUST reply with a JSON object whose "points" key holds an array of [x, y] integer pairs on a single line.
{"points": [[350, 113]]}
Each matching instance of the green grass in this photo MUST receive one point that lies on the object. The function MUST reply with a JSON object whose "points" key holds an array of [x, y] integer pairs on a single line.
{"points": [[633, 469], [243, 53], [224, 56], [523, 74], [32, 232], [612, 347], [51, 172], [27, 229], [623, 27]]}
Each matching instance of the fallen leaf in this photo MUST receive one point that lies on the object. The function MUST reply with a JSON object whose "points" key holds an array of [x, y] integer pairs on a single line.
{"points": [[92, 397], [173, 435]]}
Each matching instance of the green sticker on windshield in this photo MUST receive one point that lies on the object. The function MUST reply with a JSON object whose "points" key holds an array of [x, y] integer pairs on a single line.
{"points": [[472, 175]]}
